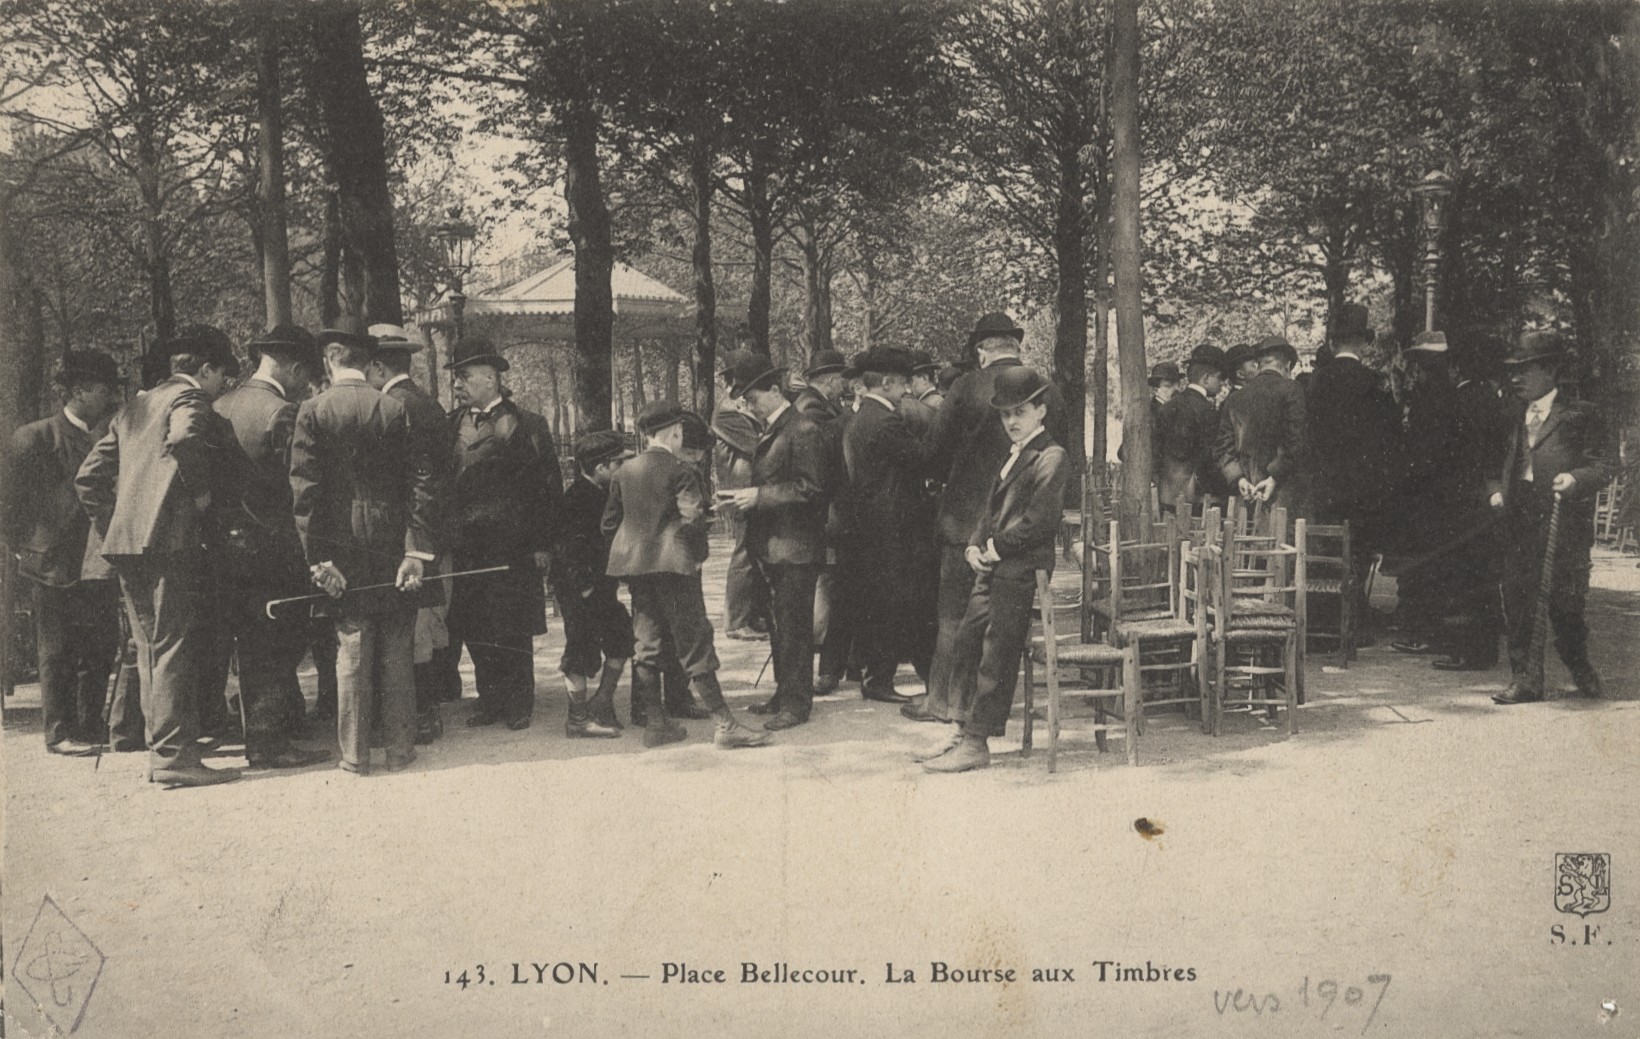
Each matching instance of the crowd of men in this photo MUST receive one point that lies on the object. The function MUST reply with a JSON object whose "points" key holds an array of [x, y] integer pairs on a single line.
{"points": [[889, 509]]}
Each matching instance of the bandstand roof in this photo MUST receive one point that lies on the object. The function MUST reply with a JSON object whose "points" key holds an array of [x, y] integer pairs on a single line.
{"points": [[551, 291]]}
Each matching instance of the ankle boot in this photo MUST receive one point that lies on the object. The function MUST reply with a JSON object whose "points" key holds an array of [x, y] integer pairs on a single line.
{"points": [[675, 686], [659, 730], [602, 702], [730, 733], [580, 723]]}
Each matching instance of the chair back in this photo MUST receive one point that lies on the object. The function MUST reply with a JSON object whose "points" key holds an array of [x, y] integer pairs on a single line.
{"points": [[1137, 575], [1256, 573]]}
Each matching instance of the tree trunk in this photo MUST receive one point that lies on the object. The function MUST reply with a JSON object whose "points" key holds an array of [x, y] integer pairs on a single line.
{"points": [[816, 292], [22, 332], [274, 245], [1127, 259], [1070, 345], [162, 308], [589, 231], [1335, 276], [330, 265], [356, 153], [705, 366], [759, 214], [640, 394], [557, 401], [1099, 370], [671, 388]]}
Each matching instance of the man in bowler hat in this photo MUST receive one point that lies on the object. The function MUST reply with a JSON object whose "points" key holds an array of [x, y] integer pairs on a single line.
{"points": [[1261, 443], [735, 432], [925, 374], [1558, 449], [1186, 428], [75, 621], [1354, 429]]}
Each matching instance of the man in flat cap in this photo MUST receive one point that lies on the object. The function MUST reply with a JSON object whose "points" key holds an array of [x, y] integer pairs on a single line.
{"points": [[431, 444], [656, 521], [1558, 449], [75, 615], [364, 511], [1186, 427], [1261, 439], [152, 487], [786, 512], [504, 510], [966, 447], [262, 554], [736, 431]]}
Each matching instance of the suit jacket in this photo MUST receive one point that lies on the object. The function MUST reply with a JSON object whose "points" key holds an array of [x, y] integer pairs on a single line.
{"points": [[163, 452], [1354, 429], [832, 421], [1024, 509], [918, 414], [359, 502], [44, 524], [430, 444], [582, 556], [1483, 435], [262, 548], [789, 470], [1186, 430], [1261, 433], [884, 467], [734, 439], [931, 400], [967, 446], [1573, 439], [656, 517]]}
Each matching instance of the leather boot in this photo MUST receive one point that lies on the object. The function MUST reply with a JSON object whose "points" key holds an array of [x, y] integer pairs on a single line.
{"points": [[602, 702], [972, 753], [675, 686], [580, 723], [730, 733], [659, 730]]}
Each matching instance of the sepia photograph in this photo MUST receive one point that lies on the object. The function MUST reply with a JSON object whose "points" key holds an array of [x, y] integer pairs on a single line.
{"points": [[816, 518]]}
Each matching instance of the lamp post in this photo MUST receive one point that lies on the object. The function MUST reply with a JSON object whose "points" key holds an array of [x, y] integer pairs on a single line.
{"points": [[1432, 193], [456, 237]]}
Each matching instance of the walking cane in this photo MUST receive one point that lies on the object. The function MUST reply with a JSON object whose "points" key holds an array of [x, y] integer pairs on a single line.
{"points": [[274, 604], [1540, 617]]}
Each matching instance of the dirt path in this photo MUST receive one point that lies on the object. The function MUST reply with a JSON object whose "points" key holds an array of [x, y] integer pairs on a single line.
{"points": [[1408, 831]]}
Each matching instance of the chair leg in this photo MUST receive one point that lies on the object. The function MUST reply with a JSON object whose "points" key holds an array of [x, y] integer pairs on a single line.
{"points": [[1203, 684], [1219, 680], [1028, 677], [1099, 722], [1289, 663], [1053, 719], [1132, 698]]}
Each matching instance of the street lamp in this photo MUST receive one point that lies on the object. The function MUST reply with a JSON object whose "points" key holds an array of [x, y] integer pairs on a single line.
{"points": [[1432, 192], [456, 236]]}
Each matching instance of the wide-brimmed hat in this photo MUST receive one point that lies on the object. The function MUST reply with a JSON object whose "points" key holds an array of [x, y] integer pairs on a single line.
{"points": [[752, 371], [1536, 347], [1017, 385], [884, 360], [1275, 345], [292, 341], [1350, 325], [1430, 344], [600, 446], [1165, 371], [1206, 354], [658, 414], [996, 324], [394, 337], [477, 350], [824, 362], [82, 366]]}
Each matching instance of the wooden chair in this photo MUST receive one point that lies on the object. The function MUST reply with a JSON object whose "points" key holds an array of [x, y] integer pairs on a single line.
{"points": [[1256, 599], [1110, 674], [1330, 575]]}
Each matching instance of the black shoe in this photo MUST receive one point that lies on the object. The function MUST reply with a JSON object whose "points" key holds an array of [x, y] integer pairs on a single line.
{"points": [[1459, 664], [429, 727], [785, 720], [287, 757], [518, 724], [478, 718], [886, 696], [71, 749], [399, 762], [192, 775], [769, 706], [825, 685], [1412, 646]]}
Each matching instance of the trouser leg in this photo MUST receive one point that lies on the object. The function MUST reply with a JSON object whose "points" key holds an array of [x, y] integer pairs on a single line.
{"points": [[745, 597], [54, 645], [165, 597], [127, 730], [356, 647], [322, 645], [1008, 628], [791, 590], [269, 653], [96, 634], [395, 680], [950, 692]]}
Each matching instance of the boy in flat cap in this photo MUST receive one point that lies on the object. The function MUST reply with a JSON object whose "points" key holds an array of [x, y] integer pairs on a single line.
{"points": [[656, 521], [1013, 540], [597, 628]]}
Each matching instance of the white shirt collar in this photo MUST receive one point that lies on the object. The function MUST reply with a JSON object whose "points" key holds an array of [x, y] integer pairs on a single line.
{"points": [[346, 373], [768, 423], [1541, 406], [189, 379], [656, 445], [270, 384], [75, 421], [880, 399], [395, 380], [1339, 355]]}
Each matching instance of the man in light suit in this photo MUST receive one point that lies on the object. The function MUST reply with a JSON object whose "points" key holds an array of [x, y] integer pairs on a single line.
{"points": [[151, 486], [1558, 449], [75, 620], [364, 509]]}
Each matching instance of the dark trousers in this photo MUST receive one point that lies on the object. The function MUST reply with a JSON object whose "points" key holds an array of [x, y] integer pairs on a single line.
{"points": [[950, 692], [922, 608], [1528, 534], [791, 601], [597, 628], [127, 730], [837, 590], [374, 656], [268, 653], [990, 640], [504, 675], [886, 623], [321, 639], [745, 596], [76, 634], [669, 623], [166, 599], [1474, 617]]}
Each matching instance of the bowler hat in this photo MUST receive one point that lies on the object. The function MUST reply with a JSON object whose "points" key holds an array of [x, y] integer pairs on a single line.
{"points": [[923, 363], [1350, 325], [203, 341], [1237, 356], [79, 367], [726, 369], [995, 324], [853, 370], [751, 372], [1545, 347], [884, 360], [600, 446], [1275, 345], [325, 336], [1018, 385], [948, 375], [1429, 343], [1166, 371], [696, 433], [288, 341], [393, 337], [1206, 354], [657, 415], [477, 350], [824, 362]]}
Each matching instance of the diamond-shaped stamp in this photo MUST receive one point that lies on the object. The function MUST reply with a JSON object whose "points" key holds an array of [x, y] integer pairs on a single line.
{"points": [[58, 966]]}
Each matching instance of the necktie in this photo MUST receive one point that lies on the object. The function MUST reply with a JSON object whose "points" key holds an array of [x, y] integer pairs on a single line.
{"points": [[1534, 423]]}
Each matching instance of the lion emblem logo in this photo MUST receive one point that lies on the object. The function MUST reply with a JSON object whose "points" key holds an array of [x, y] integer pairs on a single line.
{"points": [[1583, 882]]}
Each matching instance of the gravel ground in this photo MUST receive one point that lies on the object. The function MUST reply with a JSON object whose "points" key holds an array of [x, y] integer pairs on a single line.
{"points": [[1388, 871]]}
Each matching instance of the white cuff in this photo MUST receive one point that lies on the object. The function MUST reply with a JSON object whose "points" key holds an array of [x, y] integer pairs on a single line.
{"points": [[425, 557]]}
